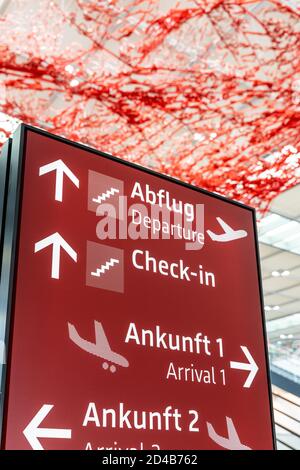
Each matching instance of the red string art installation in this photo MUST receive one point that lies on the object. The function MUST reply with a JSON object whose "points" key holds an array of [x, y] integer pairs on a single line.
{"points": [[207, 91]]}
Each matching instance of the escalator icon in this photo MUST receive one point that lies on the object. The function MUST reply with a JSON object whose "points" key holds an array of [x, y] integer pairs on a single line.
{"points": [[100, 348]]}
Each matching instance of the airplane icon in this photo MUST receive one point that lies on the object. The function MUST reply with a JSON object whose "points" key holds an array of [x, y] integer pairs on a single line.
{"points": [[100, 348], [232, 442], [228, 235]]}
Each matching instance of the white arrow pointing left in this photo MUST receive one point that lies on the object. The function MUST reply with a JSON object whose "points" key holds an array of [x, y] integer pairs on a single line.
{"points": [[58, 243], [33, 432], [251, 366], [61, 168]]}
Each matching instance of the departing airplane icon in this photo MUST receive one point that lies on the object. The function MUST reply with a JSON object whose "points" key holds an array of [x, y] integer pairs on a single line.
{"points": [[232, 442], [228, 235], [100, 348]]}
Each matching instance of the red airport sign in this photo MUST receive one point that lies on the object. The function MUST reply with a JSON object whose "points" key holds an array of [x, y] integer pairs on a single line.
{"points": [[132, 324]]}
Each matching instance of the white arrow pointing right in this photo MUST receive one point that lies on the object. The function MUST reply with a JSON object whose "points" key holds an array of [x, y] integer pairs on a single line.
{"points": [[32, 431], [251, 366], [58, 243]]}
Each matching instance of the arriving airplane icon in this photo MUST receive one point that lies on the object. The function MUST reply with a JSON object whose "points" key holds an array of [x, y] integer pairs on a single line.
{"points": [[228, 235], [232, 442], [100, 348]]}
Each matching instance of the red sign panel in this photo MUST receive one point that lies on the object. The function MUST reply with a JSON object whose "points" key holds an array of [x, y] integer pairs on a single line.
{"points": [[137, 317]]}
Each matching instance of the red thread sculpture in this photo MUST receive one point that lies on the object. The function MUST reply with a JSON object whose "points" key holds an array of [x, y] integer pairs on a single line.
{"points": [[207, 91]]}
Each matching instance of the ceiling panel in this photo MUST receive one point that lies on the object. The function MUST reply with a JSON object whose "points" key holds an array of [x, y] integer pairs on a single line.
{"points": [[264, 274], [295, 273], [294, 330], [293, 292], [267, 250], [281, 260], [290, 307], [275, 299], [275, 284], [274, 314], [287, 203]]}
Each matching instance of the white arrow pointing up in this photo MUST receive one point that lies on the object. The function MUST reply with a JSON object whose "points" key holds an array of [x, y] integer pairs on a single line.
{"points": [[32, 432], [61, 168], [58, 242], [250, 365]]}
